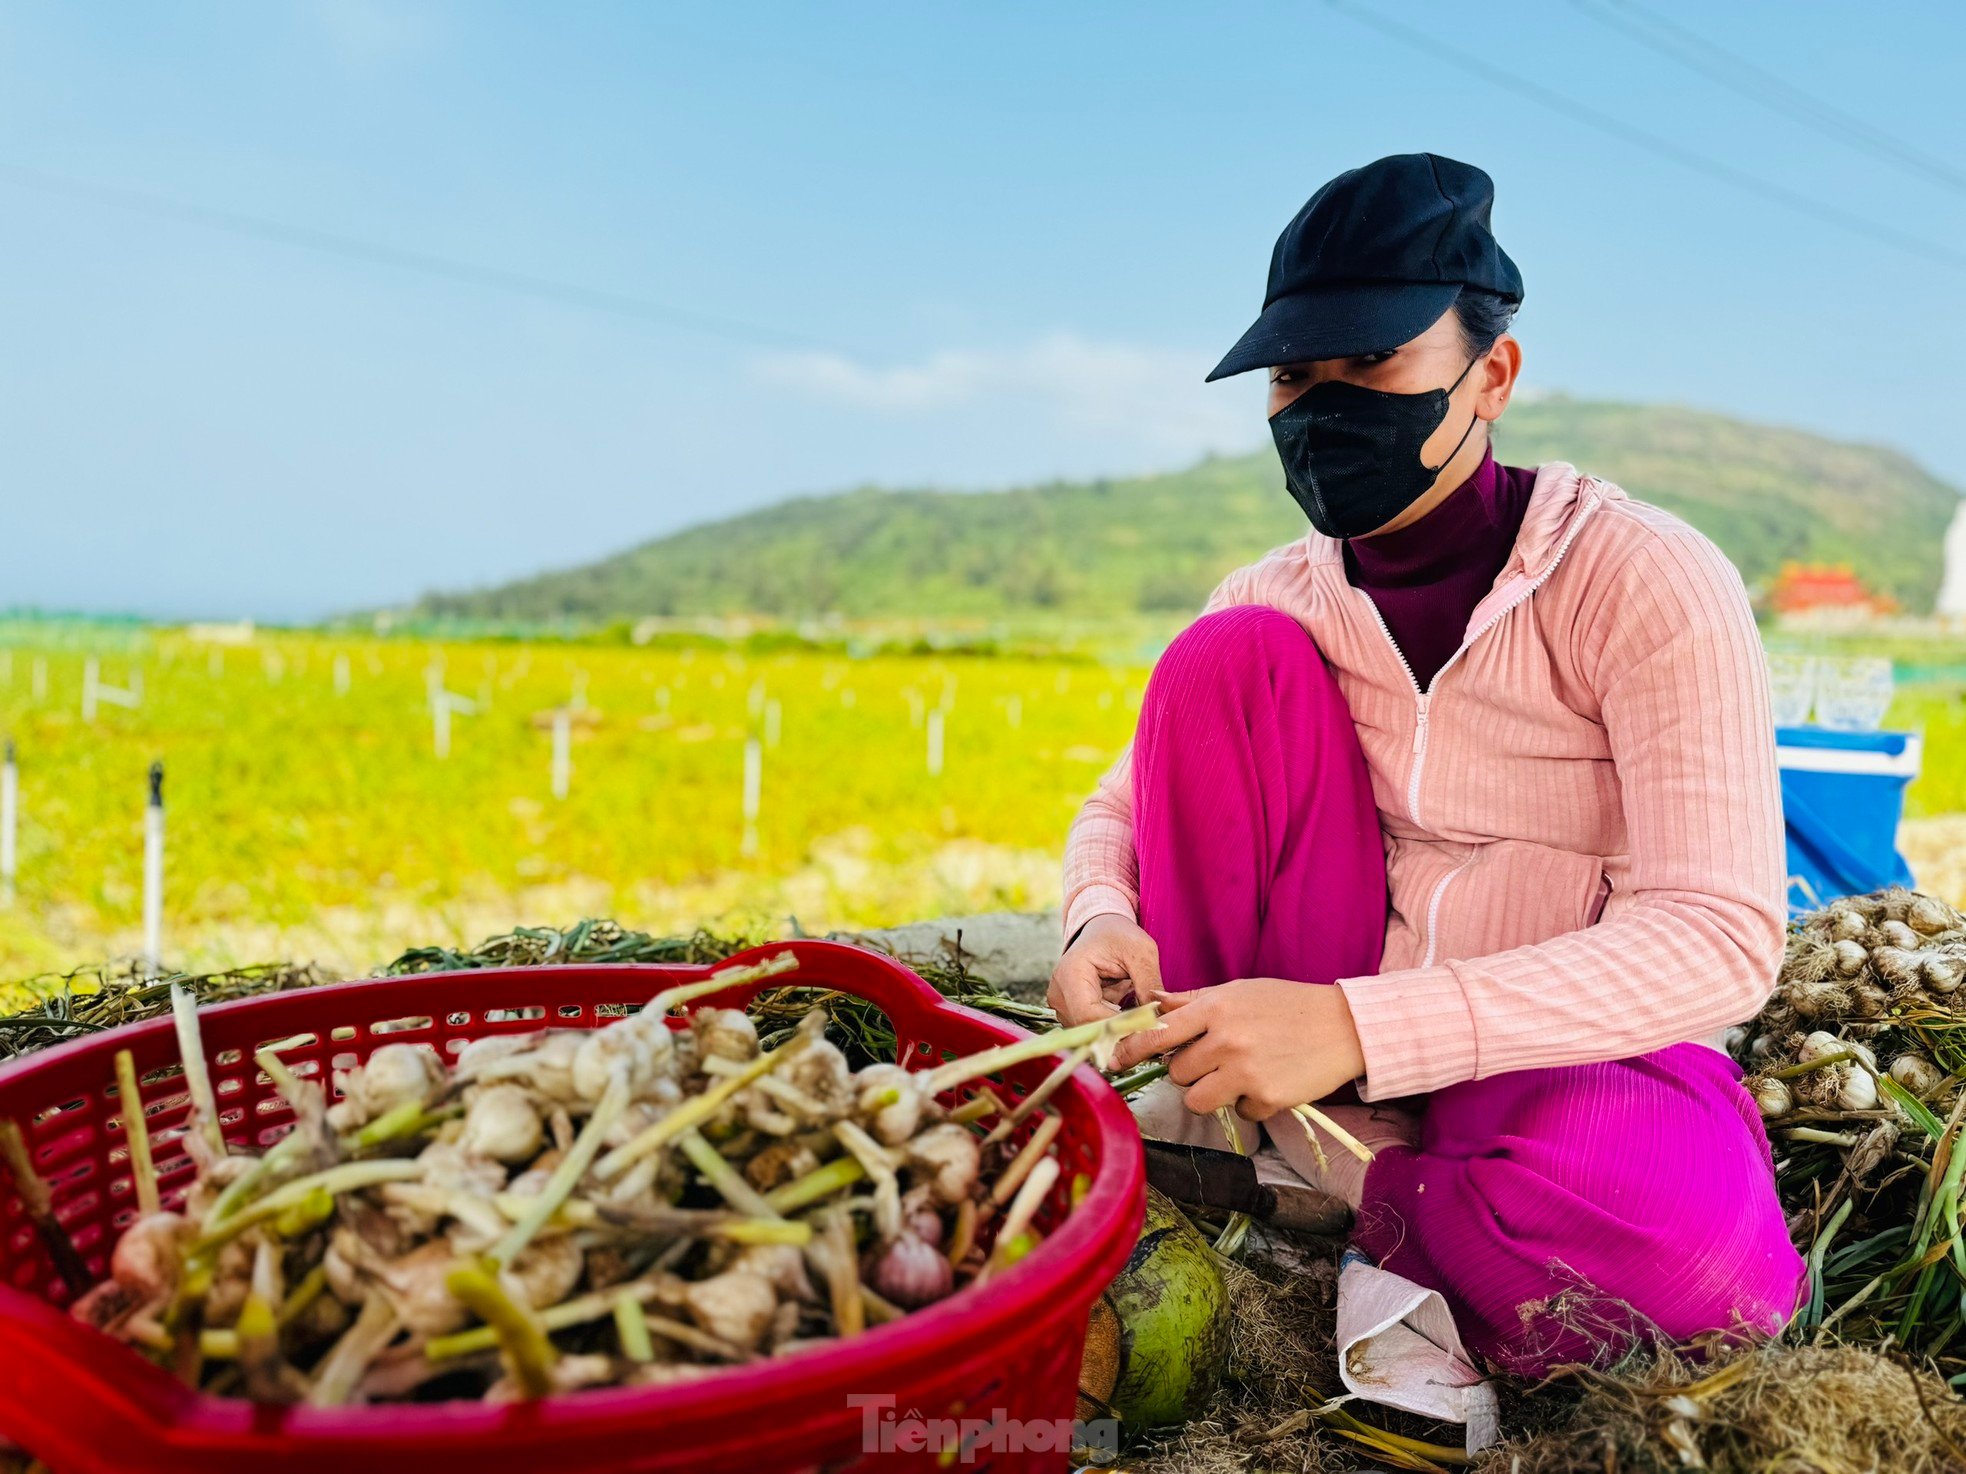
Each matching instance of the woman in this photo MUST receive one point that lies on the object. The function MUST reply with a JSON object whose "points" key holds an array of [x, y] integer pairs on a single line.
{"points": [[1489, 750]]}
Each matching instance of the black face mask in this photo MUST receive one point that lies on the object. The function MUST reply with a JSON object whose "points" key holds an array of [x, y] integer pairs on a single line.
{"points": [[1351, 455]]}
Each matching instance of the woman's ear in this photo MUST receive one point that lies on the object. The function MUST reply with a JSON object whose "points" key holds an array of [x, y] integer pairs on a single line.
{"points": [[1498, 373]]}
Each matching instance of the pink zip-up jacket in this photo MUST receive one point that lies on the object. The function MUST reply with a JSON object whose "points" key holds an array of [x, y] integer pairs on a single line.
{"points": [[1582, 822]]}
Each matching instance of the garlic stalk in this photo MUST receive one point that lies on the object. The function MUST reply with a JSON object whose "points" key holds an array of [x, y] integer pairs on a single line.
{"points": [[1022, 1165], [1034, 1102], [880, 1167], [136, 1130], [197, 1074], [38, 1200], [726, 1179], [346, 1178], [374, 1328], [573, 1166], [1023, 1208], [729, 977], [694, 1111], [631, 1329], [1102, 1034], [822, 1182], [1310, 1114], [529, 1354]]}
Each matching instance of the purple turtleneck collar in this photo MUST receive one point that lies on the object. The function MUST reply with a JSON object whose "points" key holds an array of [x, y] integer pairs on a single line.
{"points": [[1427, 577]]}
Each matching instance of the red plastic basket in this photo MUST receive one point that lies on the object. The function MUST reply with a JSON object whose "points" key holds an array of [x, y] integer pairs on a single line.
{"points": [[1004, 1356]]}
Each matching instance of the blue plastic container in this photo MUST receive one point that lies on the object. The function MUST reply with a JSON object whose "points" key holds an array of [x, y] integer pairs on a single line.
{"points": [[1842, 796]]}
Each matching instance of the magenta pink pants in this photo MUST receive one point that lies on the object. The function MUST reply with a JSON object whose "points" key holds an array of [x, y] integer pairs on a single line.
{"points": [[1560, 1211]]}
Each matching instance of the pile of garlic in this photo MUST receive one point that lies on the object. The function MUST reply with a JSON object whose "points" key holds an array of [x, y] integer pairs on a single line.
{"points": [[1864, 982], [570, 1208]]}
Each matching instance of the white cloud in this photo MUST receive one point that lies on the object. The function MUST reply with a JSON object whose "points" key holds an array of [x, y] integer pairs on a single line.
{"points": [[1153, 398]]}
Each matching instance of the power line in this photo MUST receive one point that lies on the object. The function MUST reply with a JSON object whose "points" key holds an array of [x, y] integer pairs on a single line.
{"points": [[470, 273], [1745, 78], [1665, 148]]}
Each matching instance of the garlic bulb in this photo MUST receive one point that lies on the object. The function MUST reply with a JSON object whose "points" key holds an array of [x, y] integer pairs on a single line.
{"points": [[1821, 999], [394, 1075], [501, 1124], [629, 1046], [1939, 973], [146, 1259], [1845, 925], [418, 1290], [1916, 1073], [888, 1103], [1850, 958], [231, 1282], [547, 1272], [1897, 934], [949, 1158], [725, 1033], [551, 1066], [781, 1266], [779, 1163], [1821, 1043], [1898, 966], [1929, 915], [1773, 1098], [911, 1273], [1867, 1000], [532, 1182], [821, 1072], [448, 1166], [736, 1306], [1818, 1044], [926, 1224], [479, 1053], [1856, 1088]]}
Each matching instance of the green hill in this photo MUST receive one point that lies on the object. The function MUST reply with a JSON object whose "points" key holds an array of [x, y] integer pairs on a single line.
{"points": [[1157, 543]]}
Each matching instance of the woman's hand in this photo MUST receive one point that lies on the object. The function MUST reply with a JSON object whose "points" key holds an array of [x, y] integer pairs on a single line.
{"points": [[1111, 960], [1261, 1045]]}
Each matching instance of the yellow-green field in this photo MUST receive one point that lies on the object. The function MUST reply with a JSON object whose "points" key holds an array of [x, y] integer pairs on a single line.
{"points": [[308, 823], [304, 823]]}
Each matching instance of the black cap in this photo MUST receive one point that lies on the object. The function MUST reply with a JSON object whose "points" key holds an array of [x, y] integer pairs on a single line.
{"points": [[1373, 260]]}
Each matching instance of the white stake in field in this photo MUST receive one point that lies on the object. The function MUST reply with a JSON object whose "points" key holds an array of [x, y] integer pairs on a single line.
{"points": [[562, 752], [754, 767], [153, 873], [40, 679], [94, 692], [9, 822], [341, 675], [443, 704], [935, 743]]}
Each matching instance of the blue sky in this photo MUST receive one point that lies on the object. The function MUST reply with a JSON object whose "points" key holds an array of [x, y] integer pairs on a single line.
{"points": [[978, 245]]}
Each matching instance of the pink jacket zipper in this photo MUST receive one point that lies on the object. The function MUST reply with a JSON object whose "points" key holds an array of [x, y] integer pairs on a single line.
{"points": [[1423, 698]]}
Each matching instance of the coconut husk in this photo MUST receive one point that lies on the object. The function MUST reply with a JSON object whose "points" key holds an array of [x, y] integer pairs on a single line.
{"points": [[1282, 1360]]}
